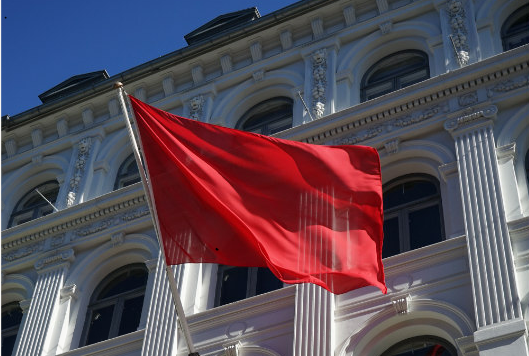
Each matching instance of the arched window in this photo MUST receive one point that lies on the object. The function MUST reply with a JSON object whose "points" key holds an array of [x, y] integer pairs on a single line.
{"points": [[116, 305], [33, 206], [238, 283], [515, 30], [11, 319], [393, 72], [128, 173], [412, 214], [422, 345], [268, 117]]}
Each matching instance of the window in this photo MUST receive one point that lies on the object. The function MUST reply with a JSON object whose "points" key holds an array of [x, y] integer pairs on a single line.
{"points": [[33, 206], [268, 117], [11, 319], [393, 72], [515, 30], [116, 305], [128, 173], [412, 214], [422, 346], [527, 165], [238, 283]]}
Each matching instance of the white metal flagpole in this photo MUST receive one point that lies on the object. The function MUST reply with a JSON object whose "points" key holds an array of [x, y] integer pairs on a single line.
{"points": [[148, 193]]}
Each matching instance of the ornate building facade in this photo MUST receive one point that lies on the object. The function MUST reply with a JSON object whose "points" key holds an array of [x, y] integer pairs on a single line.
{"points": [[440, 88]]}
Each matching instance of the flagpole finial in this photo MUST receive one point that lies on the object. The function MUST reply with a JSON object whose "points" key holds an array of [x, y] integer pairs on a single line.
{"points": [[118, 85]]}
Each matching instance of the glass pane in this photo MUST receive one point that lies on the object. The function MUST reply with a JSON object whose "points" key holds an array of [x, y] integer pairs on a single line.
{"points": [[266, 281], [379, 90], [234, 284], [434, 350], [412, 78], [425, 227], [408, 192], [11, 315], [130, 319], [391, 245], [127, 281], [8, 344], [100, 321]]}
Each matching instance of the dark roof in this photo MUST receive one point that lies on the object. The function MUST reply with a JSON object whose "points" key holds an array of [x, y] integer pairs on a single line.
{"points": [[221, 24], [72, 85]]}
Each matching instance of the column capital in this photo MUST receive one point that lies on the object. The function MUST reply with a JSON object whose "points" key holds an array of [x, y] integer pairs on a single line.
{"points": [[55, 260], [470, 120]]}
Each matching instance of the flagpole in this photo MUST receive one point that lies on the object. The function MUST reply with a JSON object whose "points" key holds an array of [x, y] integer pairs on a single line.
{"points": [[148, 193]]}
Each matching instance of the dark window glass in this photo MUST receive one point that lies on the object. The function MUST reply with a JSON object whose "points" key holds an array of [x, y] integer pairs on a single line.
{"points": [[393, 72], [128, 173], [116, 304], [33, 206], [422, 346], [269, 117], [238, 283], [515, 30], [527, 165], [412, 214], [11, 319]]}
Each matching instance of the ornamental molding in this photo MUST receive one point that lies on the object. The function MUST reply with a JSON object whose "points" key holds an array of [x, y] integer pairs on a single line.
{"points": [[232, 349], [56, 259], [196, 106], [83, 153], [401, 304], [468, 99], [508, 85], [24, 305], [506, 153], [69, 292], [459, 32], [24, 251], [392, 146], [391, 125], [117, 239], [82, 221], [448, 92], [319, 81], [488, 112]]}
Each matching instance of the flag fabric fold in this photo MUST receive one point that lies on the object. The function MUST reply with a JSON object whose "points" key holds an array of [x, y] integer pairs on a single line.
{"points": [[310, 213]]}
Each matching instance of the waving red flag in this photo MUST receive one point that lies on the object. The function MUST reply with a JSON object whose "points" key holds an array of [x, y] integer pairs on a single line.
{"points": [[309, 213]]}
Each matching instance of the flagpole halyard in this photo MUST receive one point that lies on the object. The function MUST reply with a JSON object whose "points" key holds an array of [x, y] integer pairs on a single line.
{"points": [[148, 193]]}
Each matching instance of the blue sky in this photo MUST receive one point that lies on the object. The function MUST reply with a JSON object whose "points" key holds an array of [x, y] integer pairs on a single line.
{"points": [[47, 41]]}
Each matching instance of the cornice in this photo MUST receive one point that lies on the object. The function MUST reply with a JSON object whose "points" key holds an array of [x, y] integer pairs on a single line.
{"points": [[92, 221], [406, 101]]}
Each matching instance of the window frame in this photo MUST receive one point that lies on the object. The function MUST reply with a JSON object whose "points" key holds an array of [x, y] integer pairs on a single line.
{"points": [[124, 179], [116, 300], [37, 210], [399, 346], [402, 211], [261, 111], [395, 77], [507, 25]]}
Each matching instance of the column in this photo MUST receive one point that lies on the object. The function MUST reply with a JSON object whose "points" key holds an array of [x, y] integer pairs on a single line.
{"points": [[314, 321], [501, 328], [40, 322], [161, 331]]}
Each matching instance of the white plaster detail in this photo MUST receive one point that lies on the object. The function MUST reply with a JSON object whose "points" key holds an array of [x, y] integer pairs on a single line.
{"points": [[197, 73], [196, 105], [258, 75], [226, 63], [256, 51], [456, 123], [62, 127], [151, 265], [232, 349], [459, 34], [141, 93], [69, 292], [117, 239], [508, 85], [236, 329], [401, 304], [286, 39], [447, 170], [113, 107], [88, 116], [317, 27], [58, 240], [24, 251], [36, 160], [319, 80], [468, 99], [36, 135], [382, 6], [24, 305], [349, 15], [57, 257], [11, 146], [385, 27], [83, 153], [392, 146], [168, 85]]}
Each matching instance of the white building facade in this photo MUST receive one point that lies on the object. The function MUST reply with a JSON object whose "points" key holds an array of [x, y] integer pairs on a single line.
{"points": [[441, 90]]}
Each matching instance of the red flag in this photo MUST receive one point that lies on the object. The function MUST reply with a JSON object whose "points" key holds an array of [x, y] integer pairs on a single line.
{"points": [[309, 213]]}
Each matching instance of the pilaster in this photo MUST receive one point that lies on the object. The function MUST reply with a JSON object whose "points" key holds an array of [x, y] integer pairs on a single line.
{"points": [[314, 321], [496, 301], [40, 322]]}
